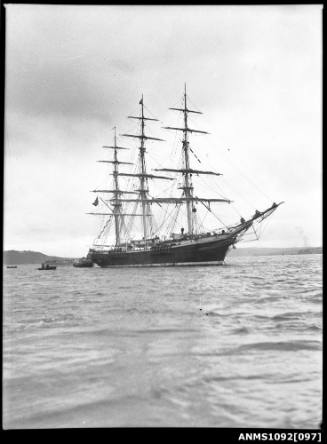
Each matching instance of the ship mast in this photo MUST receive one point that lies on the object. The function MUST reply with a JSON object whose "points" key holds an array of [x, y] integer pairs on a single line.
{"points": [[143, 179], [188, 197], [143, 176], [116, 203], [188, 188], [187, 171], [116, 191]]}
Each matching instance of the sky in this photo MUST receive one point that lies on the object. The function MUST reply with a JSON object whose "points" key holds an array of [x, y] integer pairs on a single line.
{"points": [[75, 72]]}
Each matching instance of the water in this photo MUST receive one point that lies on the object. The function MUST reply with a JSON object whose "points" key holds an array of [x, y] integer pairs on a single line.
{"points": [[231, 346]]}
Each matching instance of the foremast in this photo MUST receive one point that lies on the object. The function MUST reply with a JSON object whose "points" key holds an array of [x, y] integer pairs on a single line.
{"points": [[188, 187], [187, 171]]}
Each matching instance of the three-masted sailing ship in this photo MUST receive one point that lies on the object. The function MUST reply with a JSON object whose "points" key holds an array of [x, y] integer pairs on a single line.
{"points": [[188, 247]]}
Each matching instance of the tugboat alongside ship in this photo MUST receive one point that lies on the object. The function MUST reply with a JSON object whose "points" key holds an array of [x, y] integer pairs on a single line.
{"points": [[193, 247], [47, 266], [83, 263]]}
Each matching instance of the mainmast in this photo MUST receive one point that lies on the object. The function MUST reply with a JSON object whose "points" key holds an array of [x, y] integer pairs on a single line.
{"points": [[142, 175], [143, 179]]}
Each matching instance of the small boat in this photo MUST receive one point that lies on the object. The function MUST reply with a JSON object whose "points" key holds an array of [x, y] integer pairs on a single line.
{"points": [[45, 266], [11, 266], [83, 263]]}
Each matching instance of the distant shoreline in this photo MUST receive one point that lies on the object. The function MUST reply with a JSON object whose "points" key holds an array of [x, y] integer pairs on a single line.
{"points": [[14, 257], [261, 251]]}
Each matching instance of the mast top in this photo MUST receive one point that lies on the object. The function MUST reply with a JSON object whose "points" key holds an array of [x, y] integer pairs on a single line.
{"points": [[142, 117], [185, 109]]}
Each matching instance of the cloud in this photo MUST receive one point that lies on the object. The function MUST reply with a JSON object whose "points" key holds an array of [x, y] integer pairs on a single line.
{"points": [[74, 72]]}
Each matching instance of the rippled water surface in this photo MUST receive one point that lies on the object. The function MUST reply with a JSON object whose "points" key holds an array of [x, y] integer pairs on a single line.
{"points": [[231, 346]]}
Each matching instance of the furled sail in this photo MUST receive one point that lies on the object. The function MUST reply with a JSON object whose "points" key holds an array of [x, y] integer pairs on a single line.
{"points": [[189, 170]]}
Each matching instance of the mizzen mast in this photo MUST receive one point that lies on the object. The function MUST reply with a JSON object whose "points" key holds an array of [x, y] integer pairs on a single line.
{"points": [[116, 204], [116, 191]]}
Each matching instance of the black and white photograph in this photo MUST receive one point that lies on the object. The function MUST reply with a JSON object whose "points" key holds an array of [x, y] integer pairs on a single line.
{"points": [[162, 262]]}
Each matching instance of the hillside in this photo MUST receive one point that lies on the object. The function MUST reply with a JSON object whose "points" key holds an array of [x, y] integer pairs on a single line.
{"points": [[13, 257]]}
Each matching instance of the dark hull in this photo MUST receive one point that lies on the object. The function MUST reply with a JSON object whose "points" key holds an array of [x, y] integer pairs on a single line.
{"points": [[211, 252]]}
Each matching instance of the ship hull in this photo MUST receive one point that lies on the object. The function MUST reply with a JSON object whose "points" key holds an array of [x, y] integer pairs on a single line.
{"points": [[210, 252]]}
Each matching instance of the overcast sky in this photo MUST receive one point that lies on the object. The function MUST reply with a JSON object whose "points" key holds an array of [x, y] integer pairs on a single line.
{"points": [[74, 72]]}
